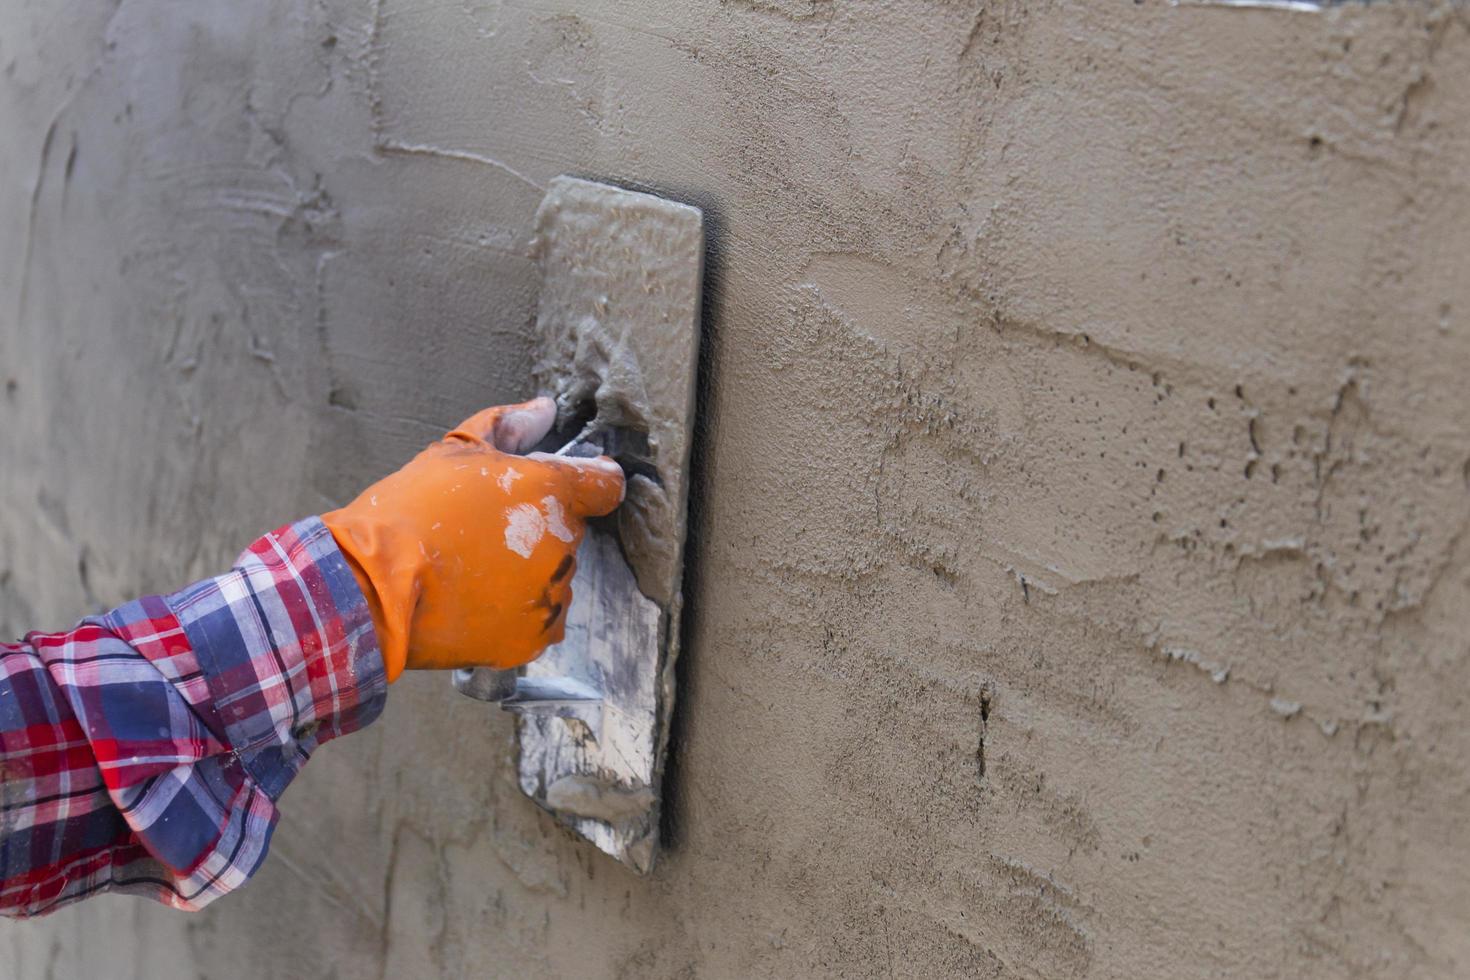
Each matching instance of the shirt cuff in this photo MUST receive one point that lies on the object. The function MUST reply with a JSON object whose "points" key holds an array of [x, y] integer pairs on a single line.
{"points": [[286, 644]]}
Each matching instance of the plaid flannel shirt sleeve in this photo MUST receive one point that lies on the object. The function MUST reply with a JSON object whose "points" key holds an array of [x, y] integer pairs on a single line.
{"points": [[144, 751]]}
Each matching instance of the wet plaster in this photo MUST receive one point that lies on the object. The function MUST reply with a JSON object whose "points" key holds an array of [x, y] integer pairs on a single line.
{"points": [[1080, 502]]}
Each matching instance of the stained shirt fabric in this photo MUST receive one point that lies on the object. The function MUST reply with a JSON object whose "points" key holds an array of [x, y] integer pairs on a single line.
{"points": [[145, 750]]}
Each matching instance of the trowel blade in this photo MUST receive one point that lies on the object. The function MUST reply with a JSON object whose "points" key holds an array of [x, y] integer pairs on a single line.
{"points": [[617, 338]]}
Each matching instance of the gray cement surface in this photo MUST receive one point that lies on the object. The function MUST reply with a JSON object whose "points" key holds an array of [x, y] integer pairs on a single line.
{"points": [[1081, 576]]}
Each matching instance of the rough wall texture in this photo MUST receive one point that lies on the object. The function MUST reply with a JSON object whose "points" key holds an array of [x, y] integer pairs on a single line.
{"points": [[1083, 577]]}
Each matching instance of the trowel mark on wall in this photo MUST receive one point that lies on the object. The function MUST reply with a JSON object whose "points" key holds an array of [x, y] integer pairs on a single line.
{"points": [[388, 145], [1062, 811], [1023, 916], [789, 9], [1051, 907], [1291, 6]]}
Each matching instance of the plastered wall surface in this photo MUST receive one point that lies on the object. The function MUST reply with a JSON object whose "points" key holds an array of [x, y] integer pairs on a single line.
{"points": [[1082, 577]]}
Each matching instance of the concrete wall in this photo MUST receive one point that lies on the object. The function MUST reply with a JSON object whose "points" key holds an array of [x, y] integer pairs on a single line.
{"points": [[1083, 577]]}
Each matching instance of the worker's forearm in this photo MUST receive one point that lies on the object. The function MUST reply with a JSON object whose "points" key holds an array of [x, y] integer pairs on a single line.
{"points": [[145, 750]]}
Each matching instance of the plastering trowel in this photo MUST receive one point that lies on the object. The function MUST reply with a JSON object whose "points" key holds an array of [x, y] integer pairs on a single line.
{"points": [[617, 329]]}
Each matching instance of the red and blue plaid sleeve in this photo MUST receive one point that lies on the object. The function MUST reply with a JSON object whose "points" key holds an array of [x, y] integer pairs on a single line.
{"points": [[144, 751]]}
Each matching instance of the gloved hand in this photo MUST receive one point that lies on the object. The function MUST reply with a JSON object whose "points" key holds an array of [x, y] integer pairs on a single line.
{"points": [[466, 554]]}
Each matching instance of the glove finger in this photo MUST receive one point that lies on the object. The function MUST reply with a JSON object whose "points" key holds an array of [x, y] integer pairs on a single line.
{"points": [[592, 487], [508, 428]]}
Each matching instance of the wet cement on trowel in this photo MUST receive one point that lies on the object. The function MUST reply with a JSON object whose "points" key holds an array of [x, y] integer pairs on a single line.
{"points": [[618, 337], [617, 327]]}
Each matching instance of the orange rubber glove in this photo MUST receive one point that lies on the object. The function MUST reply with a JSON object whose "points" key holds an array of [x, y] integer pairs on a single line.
{"points": [[466, 554]]}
